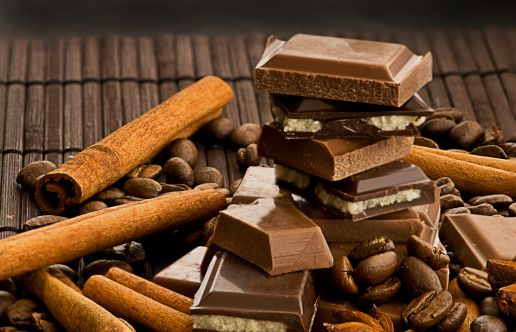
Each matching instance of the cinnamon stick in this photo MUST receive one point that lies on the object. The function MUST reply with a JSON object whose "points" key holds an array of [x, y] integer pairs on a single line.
{"points": [[103, 163], [467, 176], [71, 309], [152, 290], [135, 307], [71, 239]]}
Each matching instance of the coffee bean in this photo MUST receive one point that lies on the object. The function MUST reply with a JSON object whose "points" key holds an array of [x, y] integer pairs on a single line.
{"points": [[219, 129], [466, 134], [178, 171], [434, 257], [452, 112], [450, 201], [456, 192], [493, 151], [109, 194], [182, 148], [498, 201], [437, 127], [423, 141], [512, 210], [142, 187], [39, 321], [484, 209], [473, 282], [248, 156], [370, 248], [418, 277], [493, 136], [234, 187], [488, 306], [342, 276], [127, 199], [168, 188], [65, 269], [427, 310], [6, 300], [34, 184], [377, 268], [453, 319], [145, 171], [42, 221], [208, 175], [19, 312], [102, 266], [380, 293], [510, 149], [487, 323], [246, 134], [457, 210], [92, 206], [31, 171], [207, 228], [207, 186], [446, 185]]}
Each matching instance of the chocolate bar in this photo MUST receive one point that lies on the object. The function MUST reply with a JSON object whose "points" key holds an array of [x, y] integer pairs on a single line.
{"points": [[184, 275], [475, 238], [332, 159], [301, 117], [274, 235], [387, 188], [258, 182], [238, 296], [342, 69]]}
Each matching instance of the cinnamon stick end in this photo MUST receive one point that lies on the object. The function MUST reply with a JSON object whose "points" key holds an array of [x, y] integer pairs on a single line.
{"points": [[56, 192]]}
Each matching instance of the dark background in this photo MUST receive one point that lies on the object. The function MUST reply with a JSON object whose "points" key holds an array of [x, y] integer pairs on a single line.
{"points": [[65, 18]]}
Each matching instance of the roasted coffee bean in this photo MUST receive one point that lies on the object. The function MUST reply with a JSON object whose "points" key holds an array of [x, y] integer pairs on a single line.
{"points": [[456, 192], [506, 300], [207, 228], [225, 192], [512, 210], [450, 201], [342, 276], [34, 184], [473, 282], [142, 187], [380, 293], [19, 312], [434, 257], [370, 248], [246, 134], [510, 149], [487, 323], [436, 127], [208, 175], [178, 171], [102, 266], [427, 310], [6, 300], [65, 269], [207, 186], [145, 171], [109, 194], [42, 221], [498, 201], [484, 209], [31, 171], [453, 319], [169, 188], [452, 112], [92, 206], [248, 156], [466, 134], [43, 322], [446, 185], [493, 136], [184, 149], [457, 210], [423, 141], [488, 306], [219, 129], [418, 277], [234, 187], [377, 268], [493, 151], [131, 253], [127, 199]]}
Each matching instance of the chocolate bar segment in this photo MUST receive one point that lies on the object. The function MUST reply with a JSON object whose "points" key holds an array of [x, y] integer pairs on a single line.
{"points": [[238, 296], [274, 235], [258, 182], [342, 69], [475, 238], [301, 117], [388, 188], [332, 159]]}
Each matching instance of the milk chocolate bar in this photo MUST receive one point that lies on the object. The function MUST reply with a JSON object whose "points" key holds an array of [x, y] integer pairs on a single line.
{"points": [[184, 275], [332, 159], [475, 238], [387, 188], [301, 117], [274, 235], [342, 69], [238, 296], [258, 182]]}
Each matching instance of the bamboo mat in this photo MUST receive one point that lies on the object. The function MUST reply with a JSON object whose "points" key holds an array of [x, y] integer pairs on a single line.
{"points": [[60, 96]]}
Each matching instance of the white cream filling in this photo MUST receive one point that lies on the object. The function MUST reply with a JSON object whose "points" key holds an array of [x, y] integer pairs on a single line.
{"points": [[294, 125], [394, 122], [291, 176], [227, 323], [358, 207]]}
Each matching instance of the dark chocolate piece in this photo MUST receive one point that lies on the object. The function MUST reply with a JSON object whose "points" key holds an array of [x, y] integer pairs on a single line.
{"points": [[332, 159], [342, 69], [242, 297], [301, 117], [274, 235], [184, 275], [475, 238], [388, 188]]}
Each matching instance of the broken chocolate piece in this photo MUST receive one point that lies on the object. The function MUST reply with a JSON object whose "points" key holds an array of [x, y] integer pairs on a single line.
{"points": [[238, 296], [258, 182], [274, 235], [342, 69], [332, 159]]}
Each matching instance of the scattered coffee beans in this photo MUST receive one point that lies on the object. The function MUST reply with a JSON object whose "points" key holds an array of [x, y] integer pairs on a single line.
{"points": [[184, 149], [142, 187], [466, 134], [418, 277], [246, 134], [342, 276], [487, 323], [427, 310], [208, 175], [92, 206], [219, 129], [473, 282], [33, 170], [178, 171]]}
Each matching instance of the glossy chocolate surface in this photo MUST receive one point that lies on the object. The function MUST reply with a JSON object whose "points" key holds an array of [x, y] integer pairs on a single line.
{"points": [[258, 182], [274, 235], [233, 287], [332, 159], [474, 238]]}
